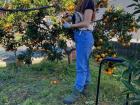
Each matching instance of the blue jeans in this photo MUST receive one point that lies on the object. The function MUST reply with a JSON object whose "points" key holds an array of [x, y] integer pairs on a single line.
{"points": [[84, 42]]}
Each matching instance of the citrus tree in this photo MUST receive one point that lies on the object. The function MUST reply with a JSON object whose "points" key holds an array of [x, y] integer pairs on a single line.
{"points": [[42, 30], [131, 80], [115, 24], [37, 30], [12, 23], [133, 68], [46, 33]]}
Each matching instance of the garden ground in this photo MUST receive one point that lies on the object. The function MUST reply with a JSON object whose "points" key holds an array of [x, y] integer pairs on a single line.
{"points": [[48, 83]]}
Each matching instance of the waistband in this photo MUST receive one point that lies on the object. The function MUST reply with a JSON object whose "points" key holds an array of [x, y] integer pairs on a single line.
{"points": [[78, 30], [81, 31]]}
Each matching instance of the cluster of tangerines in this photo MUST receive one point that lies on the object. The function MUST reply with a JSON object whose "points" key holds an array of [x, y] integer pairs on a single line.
{"points": [[102, 3], [7, 39], [110, 68], [125, 41], [7, 27], [102, 45], [68, 11], [100, 55], [8, 6], [120, 25], [70, 7]]}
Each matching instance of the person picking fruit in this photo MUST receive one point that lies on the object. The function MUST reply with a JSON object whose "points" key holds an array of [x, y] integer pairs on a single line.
{"points": [[81, 24]]}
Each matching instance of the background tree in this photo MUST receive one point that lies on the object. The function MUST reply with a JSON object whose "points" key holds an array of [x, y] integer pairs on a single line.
{"points": [[136, 6]]}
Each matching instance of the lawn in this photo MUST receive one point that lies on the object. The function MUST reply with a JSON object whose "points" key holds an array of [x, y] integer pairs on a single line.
{"points": [[48, 83]]}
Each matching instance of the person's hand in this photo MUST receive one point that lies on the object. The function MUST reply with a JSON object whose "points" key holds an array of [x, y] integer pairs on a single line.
{"points": [[66, 14], [67, 25]]}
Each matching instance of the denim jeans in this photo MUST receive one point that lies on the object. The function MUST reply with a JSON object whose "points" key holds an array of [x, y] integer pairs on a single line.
{"points": [[84, 42]]}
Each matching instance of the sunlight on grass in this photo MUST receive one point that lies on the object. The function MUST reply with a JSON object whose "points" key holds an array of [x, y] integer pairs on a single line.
{"points": [[2, 64]]}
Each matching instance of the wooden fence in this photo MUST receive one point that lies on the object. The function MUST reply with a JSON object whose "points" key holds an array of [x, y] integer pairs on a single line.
{"points": [[131, 52]]}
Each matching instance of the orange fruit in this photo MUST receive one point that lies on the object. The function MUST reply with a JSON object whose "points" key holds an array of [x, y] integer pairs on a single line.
{"points": [[98, 56], [124, 44], [114, 55], [101, 40], [133, 29], [105, 20], [100, 59], [110, 9], [128, 43], [7, 27], [112, 34], [103, 55], [108, 71], [96, 59], [114, 68], [70, 7], [115, 18], [98, 47], [129, 30], [54, 82], [106, 54]]}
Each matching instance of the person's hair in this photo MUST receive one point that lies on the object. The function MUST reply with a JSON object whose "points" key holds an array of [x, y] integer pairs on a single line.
{"points": [[81, 4]]}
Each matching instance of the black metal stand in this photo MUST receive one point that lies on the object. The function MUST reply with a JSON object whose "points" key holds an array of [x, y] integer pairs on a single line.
{"points": [[98, 84], [109, 59], [127, 96]]}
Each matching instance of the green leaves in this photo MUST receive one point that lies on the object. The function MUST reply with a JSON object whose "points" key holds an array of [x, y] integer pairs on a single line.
{"points": [[132, 5], [10, 18], [136, 12], [133, 86], [129, 86], [137, 82], [136, 6], [136, 0], [135, 100], [126, 73], [28, 25]]}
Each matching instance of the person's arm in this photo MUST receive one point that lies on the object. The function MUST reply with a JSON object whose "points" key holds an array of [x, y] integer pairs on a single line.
{"points": [[87, 19]]}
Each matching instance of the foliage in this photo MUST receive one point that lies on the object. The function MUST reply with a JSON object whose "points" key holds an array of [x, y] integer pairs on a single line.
{"points": [[136, 6], [25, 57], [40, 35], [133, 69], [13, 23], [45, 33], [34, 31], [115, 24], [133, 86]]}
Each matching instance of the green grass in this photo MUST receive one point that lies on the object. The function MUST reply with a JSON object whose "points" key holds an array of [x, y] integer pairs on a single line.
{"points": [[33, 86]]}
